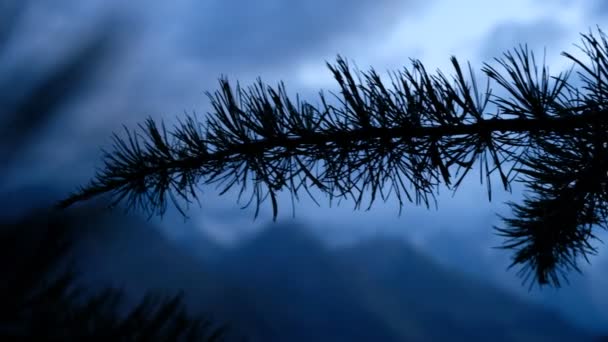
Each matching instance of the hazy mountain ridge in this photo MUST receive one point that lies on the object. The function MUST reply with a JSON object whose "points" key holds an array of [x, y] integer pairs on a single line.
{"points": [[576, 300], [436, 297], [284, 284], [298, 283]]}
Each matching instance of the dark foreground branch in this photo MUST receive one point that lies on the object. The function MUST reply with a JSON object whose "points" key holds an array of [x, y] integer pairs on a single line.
{"points": [[399, 140]]}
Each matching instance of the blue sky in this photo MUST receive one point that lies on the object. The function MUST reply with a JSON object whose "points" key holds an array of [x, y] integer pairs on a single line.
{"points": [[171, 52]]}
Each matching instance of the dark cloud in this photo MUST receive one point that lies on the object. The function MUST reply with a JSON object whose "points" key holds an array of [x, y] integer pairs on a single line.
{"points": [[540, 34], [268, 32], [179, 49], [156, 77], [596, 10]]}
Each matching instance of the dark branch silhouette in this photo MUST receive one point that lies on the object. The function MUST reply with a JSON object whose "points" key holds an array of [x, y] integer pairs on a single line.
{"points": [[399, 139]]}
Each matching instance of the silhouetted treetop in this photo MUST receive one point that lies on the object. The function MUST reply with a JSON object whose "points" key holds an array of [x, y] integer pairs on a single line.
{"points": [[398, 138]]}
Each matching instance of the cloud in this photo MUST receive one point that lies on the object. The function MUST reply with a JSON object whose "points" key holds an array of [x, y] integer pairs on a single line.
{"points": [[595, 10], [176, 51], [539, 34], [271, 32], [556, 2]]}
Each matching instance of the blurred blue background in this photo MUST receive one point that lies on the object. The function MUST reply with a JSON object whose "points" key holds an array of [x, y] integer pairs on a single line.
{"points": [[427, 274]]}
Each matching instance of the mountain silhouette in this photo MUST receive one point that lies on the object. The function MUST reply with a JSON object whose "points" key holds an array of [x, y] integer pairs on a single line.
{"points": [[418, 295], [283, 284], [298, 286], [581, 301]]}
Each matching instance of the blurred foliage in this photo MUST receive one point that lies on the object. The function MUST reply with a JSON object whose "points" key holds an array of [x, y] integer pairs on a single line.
{"points": [[39, 298], [27, 107], [40, 301]]}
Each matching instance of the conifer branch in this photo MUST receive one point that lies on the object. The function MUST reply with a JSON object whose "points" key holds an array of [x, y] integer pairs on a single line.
{"points": [[400, 139]]}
